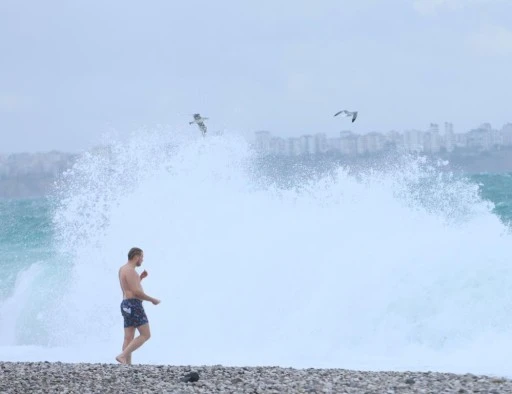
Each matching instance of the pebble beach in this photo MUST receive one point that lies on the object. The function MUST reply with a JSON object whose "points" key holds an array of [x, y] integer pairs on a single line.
{"points": [[46, 377]]}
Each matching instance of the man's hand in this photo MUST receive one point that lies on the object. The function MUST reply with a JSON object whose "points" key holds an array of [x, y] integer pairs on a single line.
{"points": [[143, 274], [155, 301]]}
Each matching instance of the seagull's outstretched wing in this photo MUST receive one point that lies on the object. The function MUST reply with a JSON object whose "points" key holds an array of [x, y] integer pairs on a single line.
{"points": [[344, 112], [354, 116]]}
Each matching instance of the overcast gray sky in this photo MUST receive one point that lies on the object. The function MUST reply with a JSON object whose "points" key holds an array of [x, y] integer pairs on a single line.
{"points": [[71, 69]]}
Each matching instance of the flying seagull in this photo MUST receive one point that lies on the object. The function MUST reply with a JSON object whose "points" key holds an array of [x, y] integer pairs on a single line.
{"points": [[347, 114], [199, 120]]}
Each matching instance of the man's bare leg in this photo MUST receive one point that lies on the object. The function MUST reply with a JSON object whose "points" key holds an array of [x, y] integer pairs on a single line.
{"points": [[144, 335], [129, 334]]}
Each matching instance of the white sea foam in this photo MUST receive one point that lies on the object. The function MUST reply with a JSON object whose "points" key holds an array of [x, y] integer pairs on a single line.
{"points": [[404, 268]]}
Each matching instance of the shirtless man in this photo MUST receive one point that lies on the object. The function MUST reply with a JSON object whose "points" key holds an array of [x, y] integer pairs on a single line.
{"points": [[131, 306]]}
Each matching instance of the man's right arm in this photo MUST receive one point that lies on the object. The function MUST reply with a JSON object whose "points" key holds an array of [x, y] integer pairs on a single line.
{"points": [[136, 288]]}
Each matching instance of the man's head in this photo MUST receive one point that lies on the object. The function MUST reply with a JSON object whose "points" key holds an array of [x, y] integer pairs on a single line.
{"points": [[136, 255]]}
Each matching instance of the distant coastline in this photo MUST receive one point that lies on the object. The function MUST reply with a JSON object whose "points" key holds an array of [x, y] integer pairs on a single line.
{"points": [[32, 175]]}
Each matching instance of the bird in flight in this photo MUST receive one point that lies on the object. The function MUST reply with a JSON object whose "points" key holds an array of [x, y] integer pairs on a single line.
{"points": [[199, 120], [346, 113]]}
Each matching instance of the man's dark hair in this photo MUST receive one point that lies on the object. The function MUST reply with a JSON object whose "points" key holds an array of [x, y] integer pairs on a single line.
{"points": [[134, 252]]}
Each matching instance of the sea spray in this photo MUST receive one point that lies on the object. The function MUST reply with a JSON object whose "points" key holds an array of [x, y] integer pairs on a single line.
{"points": [[403, 262]]}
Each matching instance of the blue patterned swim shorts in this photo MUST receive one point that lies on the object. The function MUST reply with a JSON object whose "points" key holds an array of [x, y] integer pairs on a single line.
{"points": [[133, 313]]}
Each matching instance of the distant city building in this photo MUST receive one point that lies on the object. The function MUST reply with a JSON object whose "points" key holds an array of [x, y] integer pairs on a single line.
{"points": [[449, 137], [506, 133], [308, 146], [321, 145], [413, 140], [263, 141]]}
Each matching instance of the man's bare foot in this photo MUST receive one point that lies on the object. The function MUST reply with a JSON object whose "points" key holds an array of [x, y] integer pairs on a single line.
{"points": [[121, 360]]}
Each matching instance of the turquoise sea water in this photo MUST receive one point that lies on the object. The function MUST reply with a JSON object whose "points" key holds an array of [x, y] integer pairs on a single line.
{"points": [[497, 188], [26, 234]]}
